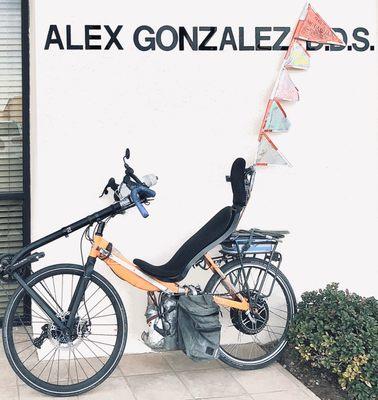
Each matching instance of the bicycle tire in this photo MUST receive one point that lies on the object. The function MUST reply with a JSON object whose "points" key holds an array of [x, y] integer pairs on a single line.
{"points": [[214, 282], [76, 388]]}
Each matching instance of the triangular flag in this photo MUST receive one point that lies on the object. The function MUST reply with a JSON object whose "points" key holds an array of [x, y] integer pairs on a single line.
{"points": [[286, 89], [298, 57], [276, 120], [268, 154], [313, 28]]}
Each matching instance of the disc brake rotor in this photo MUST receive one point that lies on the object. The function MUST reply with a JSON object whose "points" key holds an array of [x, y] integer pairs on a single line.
{"points": [[59, 339]]}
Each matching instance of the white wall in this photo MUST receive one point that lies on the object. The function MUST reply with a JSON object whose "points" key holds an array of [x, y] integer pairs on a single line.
{"points": [[186, 116]]}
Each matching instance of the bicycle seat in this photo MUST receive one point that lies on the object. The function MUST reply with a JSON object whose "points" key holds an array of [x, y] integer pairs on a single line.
{"points": [[212, 233]]}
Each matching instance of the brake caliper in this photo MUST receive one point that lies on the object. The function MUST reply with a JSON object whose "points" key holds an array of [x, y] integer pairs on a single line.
{"points": [[44, 335]]}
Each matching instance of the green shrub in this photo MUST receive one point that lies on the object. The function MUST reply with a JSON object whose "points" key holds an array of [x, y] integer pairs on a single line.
{"points": [[338, 331]]}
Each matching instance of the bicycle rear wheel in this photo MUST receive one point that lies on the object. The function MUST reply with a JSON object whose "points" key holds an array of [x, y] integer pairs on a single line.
{"points": [[46, 359], [253, 341]]}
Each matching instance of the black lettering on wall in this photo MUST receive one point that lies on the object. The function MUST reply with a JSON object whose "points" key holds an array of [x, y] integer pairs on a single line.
{"points": [[361, 39], [71, 46], [159, 34], [89, 37], [205, 41], [228, 39], [285, 32], [53, 37], [335, 47], [259, 37], [113, 37], [310, 46], [242, 46], [149, 40], [192, 41]]}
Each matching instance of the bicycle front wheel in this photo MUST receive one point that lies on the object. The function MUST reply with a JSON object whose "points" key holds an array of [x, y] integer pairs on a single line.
{"points": [[47, 359], [251, 341]]}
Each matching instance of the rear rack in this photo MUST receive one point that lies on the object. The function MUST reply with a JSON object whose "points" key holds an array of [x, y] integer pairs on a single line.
{"points": [[254, 241], [261, 244]]}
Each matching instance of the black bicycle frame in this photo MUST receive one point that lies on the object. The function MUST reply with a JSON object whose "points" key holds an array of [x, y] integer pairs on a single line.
{"points": [[88, 267]]}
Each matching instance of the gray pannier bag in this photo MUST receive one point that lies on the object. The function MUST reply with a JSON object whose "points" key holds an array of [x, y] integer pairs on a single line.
{"points": [[198, 326]]}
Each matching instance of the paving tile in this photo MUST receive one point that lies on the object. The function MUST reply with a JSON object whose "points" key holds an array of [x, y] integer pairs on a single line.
{"points": [[148, 363], [27, 393], [298, 383], [9, 393], [283, 395], [242, 397], [111, 389], [116, 373], [269, 379], [211, 383], [165, 386], [289, 375], [8, 378], [180, 362]]}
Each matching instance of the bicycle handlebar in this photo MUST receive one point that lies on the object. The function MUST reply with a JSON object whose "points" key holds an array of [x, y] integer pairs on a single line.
{"points": [[141, 191]]}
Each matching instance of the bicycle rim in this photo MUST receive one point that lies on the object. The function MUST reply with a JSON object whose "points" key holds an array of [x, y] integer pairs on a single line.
{"points": [[256, 342], [65, 366]]}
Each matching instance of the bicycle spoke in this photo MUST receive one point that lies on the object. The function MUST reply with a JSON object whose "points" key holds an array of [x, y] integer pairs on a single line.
{"points": [[52, 363], [101, 311], [77, 374], [77, 349], [54, 286], [103, 298], [73, 352], [96, 341], [279, 316], [57, 374], [48, 361], [88, 298], [28, 347], [38, 362], [94, 353], [53, 298], [102, 316], [102, 334], [46, 300], [93, 342], [22, 341]]}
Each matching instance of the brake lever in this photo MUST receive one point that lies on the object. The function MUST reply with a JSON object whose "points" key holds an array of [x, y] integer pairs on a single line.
{"points": [[112, 185]]}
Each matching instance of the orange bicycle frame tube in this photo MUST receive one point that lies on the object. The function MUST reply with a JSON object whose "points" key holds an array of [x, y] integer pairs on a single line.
{"points": [[130, 273]]}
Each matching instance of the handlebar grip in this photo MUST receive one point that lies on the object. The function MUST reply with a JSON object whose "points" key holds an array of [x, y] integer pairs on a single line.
{"points": [[142, 209], [135, 197]]}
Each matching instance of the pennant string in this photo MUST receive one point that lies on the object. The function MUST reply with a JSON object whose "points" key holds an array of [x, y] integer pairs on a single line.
{"points": [[309, 27]]}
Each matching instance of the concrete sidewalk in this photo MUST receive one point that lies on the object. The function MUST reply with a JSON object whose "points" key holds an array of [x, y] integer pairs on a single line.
{"points": [[173, 376]]}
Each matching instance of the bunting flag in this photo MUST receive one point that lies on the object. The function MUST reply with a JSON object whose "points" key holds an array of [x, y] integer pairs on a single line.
{"points": [[313, 28], [276, 120], [286, 89], [298, 57], [268, 154], [310, 27]]}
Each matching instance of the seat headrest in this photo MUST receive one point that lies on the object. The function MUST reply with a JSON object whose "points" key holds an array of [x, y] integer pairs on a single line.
{"points": [[237, 182]]}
